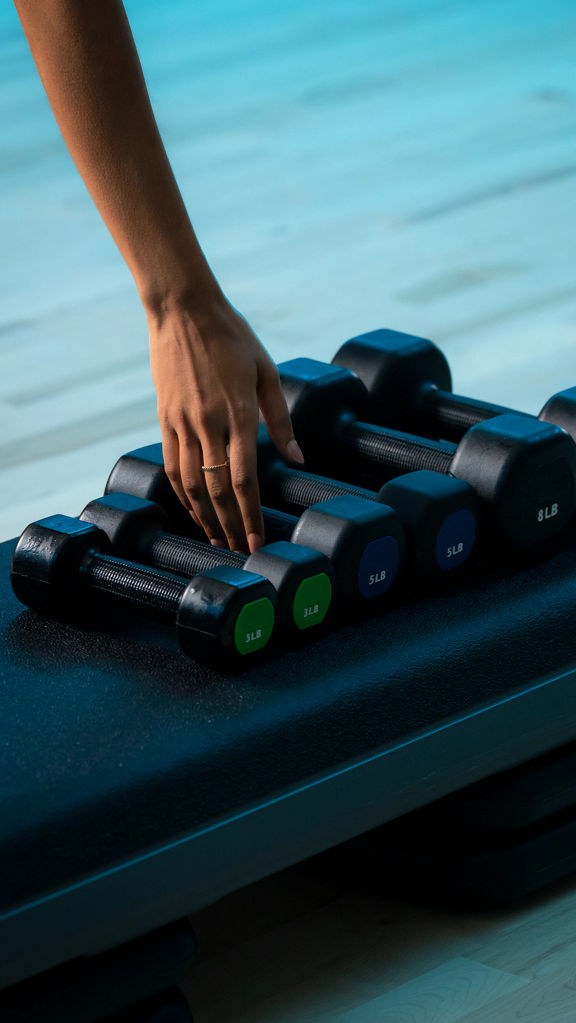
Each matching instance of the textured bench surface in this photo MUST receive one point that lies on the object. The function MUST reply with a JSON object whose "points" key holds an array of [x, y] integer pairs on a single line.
{"points": [[118, 751]]}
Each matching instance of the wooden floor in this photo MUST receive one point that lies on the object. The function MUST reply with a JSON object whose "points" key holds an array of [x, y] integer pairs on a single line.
{"points": [[347, 165], [303, 947]]}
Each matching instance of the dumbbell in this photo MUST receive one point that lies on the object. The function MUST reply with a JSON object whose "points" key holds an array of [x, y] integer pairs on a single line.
{"points": [[439, 513], [523, 470], [364, 541], [223, 617], [410, 386], [302, 578]]}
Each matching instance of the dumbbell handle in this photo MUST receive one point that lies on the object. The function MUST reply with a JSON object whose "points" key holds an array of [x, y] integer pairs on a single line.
{"points": [[189, 557], [453, 413], [278, 525], [394, 451], [137, 584], [300, 489]]}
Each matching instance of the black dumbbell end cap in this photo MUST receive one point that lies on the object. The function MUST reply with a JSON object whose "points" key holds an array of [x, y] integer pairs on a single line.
{"points": [[303, 578], [525, 471], [130, 523], [364, 540], [226, 615], [319, 396], [561, 410], [141, 472], [440, 516], [394, 367], [47, 558]]}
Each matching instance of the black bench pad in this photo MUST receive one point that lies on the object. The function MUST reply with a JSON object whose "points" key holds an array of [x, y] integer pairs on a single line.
{"points": [[129, 775]]}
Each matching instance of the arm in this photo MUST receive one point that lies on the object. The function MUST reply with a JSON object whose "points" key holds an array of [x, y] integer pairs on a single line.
{"points": [[210, 371]]}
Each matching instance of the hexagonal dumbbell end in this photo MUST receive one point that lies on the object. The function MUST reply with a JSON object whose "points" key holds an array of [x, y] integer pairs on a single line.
{"points": [[394, 367], [45, 569], [320, 398], [364, 540], [130, 523], [561, 409], [526, 471], [304, 576], [440, 516], [224, 615], [141, 473]]}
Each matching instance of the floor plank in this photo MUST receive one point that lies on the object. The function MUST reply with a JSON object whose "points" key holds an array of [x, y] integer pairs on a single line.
{"points": [[314, 944]]}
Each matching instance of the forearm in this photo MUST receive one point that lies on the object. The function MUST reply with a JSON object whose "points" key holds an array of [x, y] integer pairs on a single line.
{"points": [[86, 57]]}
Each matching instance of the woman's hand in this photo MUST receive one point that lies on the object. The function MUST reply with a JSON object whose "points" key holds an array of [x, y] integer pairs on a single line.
{"points": [[212, 376], [210, 371]]}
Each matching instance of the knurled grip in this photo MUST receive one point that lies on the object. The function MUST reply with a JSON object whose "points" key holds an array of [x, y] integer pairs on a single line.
{"points": [[136, 583], [300, 489], [457, 414], [189, 557], [397, 452]]}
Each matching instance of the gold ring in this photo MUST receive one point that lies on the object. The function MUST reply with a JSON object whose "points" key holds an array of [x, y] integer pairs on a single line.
{"points": [[211, 468]]}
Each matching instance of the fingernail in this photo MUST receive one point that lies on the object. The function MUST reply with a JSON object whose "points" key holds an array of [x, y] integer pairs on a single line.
{"points": [[294, 453], [217, 543], [254, 542]]}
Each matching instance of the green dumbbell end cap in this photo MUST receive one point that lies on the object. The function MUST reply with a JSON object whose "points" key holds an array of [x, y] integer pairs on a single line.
{"points": [[312, 600], [254, 626]]}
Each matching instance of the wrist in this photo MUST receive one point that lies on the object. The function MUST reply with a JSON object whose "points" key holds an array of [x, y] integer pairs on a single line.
{"points": [[197, 299], [174, 276]]}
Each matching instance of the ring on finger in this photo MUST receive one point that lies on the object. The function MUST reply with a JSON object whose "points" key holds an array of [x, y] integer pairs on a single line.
{"points": [[212, 468]]}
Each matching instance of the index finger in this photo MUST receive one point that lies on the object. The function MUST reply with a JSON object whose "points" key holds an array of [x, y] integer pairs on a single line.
{"points": [[244, 478]]}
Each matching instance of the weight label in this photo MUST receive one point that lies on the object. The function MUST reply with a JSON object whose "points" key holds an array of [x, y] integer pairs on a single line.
{"points": [[253, 626], [312, 600], [309, 611], [455, 539], [453, 552], [378, 566], [549, 511]]}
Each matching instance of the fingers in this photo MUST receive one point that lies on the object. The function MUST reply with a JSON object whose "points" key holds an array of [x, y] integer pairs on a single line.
{"points": [[244, 478], [276, 415], [171, 456], [194, 484], [224, 502], [182, 464], [222, 495]]}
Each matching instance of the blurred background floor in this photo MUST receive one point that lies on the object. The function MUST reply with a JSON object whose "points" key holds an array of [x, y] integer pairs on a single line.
{"points": [[348, 165]]}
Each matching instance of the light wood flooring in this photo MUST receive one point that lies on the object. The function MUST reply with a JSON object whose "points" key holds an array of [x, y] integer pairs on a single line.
{"points": [[347, 165], [302, 947]]}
